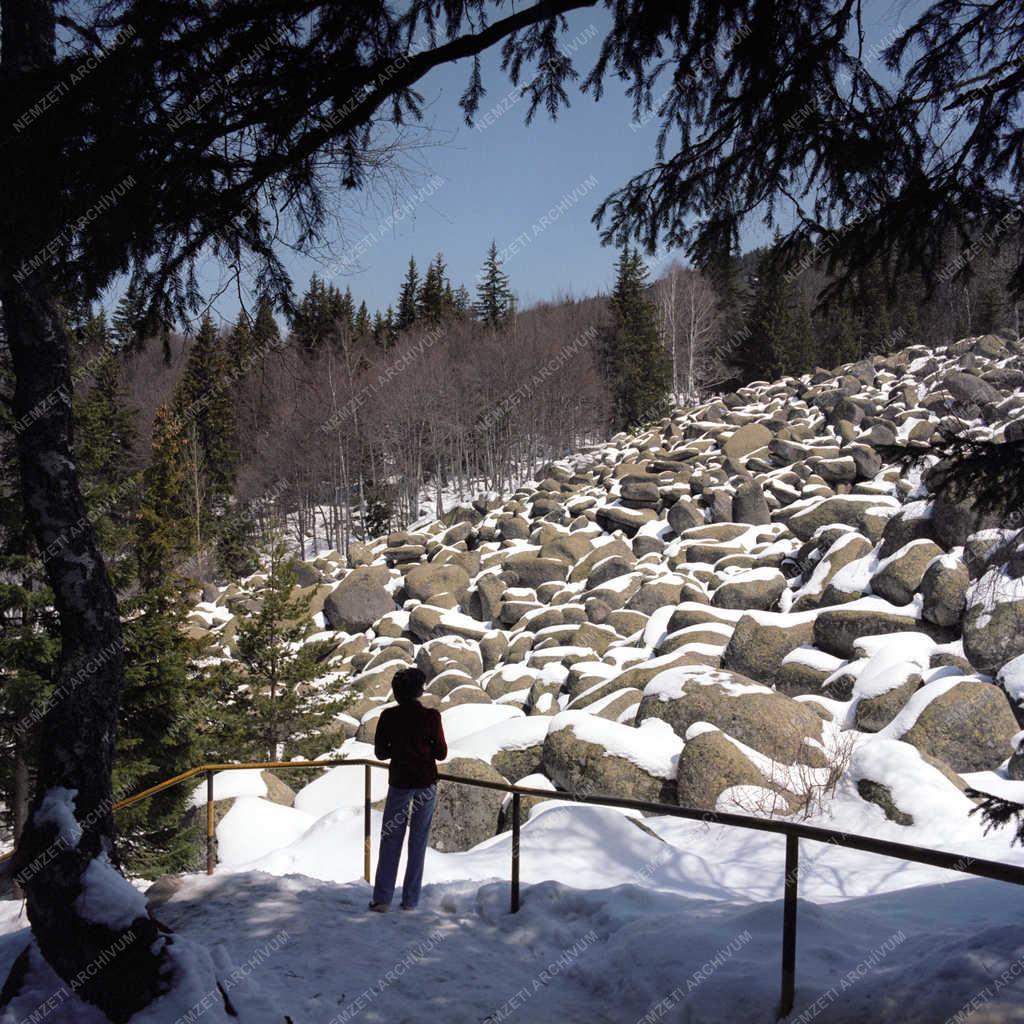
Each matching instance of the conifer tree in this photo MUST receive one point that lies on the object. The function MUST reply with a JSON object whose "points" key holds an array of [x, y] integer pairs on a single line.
{"points": [[155, 736], [432, 304], [494, 302], [162, 707], [127, 323], [105, 441], [638, 368], [345, 314], [363, 326], [266, 335], [408, 298], [235, 553], [461, 301], [163, 533], [390, 327], [315, 321], [277, 701], [204, 406], [378, 328], [781, 338], [239, 342]]}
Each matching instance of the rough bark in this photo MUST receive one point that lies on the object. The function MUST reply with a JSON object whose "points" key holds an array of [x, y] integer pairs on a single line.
{"points": [[77, 731], [76, 734]]}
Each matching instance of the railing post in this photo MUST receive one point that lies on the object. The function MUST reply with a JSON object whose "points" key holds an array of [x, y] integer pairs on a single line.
{"points": [[789, 926], [515, 852], [366, 822], [209, 824]]}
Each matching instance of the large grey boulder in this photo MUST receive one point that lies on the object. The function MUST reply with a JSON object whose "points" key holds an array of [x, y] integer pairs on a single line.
{"points": [[747, 439], [445, 653], [755, 715], [429, 579], [653, 595], [683, 515], [465, 816], [867, 514], [970, 727], [874, 713], [954, 520], [756, 589], [518, 762], [899, 578], [567, 547], [756, 647], [846, 548], [585, 765], [968, 389], [532, 571], [836, 629], [359, 600], [994, 624], [944, 591], [709, 765], [912, 522], [749, 504], [194, 819]]}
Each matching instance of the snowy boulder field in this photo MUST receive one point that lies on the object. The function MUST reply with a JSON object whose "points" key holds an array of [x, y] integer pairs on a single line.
{"points": [[751, 565]]}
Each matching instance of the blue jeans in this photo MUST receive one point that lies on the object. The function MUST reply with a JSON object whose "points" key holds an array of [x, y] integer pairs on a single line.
{"points": [[404, 807]]}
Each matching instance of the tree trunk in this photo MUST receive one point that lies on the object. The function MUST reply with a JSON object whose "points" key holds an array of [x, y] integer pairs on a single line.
{"points": [[77, 731]]}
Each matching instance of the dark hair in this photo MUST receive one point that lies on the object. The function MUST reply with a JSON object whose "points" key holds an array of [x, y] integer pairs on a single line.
{"points": [[407, 685]]}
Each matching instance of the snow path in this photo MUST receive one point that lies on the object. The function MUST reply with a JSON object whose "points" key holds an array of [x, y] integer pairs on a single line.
{"points": [[606, 957], [673, 921]]}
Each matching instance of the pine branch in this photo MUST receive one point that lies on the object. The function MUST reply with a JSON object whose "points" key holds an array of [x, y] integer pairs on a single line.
{"points": [[996, 812]]}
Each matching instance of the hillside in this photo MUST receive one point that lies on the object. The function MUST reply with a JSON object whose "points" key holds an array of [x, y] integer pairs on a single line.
{"points": [[743, 608], [747, 578]]}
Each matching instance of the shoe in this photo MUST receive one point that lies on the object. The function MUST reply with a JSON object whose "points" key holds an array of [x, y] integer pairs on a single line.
{"points": [[404, 907], [378, 908]]}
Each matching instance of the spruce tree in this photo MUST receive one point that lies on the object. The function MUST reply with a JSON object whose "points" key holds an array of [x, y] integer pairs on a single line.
{"points": [[432, 305], [274, 690], [204, 406], [128, 321], [161, 709], [462, 303], [781, 338], [344, 315], [239, 344], [105, 441], [155, 735], [164, 532], [363, 326], [494, 303], [638, 369], [408, 298], [314, 322], [235, 554], [266, 335], [378, 329], [390, 327]]}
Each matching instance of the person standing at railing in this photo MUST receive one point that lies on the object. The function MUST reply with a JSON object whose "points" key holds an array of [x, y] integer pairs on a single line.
{"points": [[412, 737]]}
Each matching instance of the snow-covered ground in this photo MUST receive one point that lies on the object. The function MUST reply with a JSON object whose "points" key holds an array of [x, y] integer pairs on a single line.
{"points": [[669, 921]]}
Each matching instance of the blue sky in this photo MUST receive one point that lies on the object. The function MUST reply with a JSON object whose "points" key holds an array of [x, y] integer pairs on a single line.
{"points": [[503, 180]]}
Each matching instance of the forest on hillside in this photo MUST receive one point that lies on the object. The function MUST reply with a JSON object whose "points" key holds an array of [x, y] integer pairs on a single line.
{"points": [[348, 425]]}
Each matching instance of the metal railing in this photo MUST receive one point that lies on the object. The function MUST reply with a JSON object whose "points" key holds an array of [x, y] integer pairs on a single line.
{"points": [[792, 830]]}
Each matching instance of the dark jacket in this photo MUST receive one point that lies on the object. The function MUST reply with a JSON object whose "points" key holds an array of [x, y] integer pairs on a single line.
{"points": [[412, 737]]}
